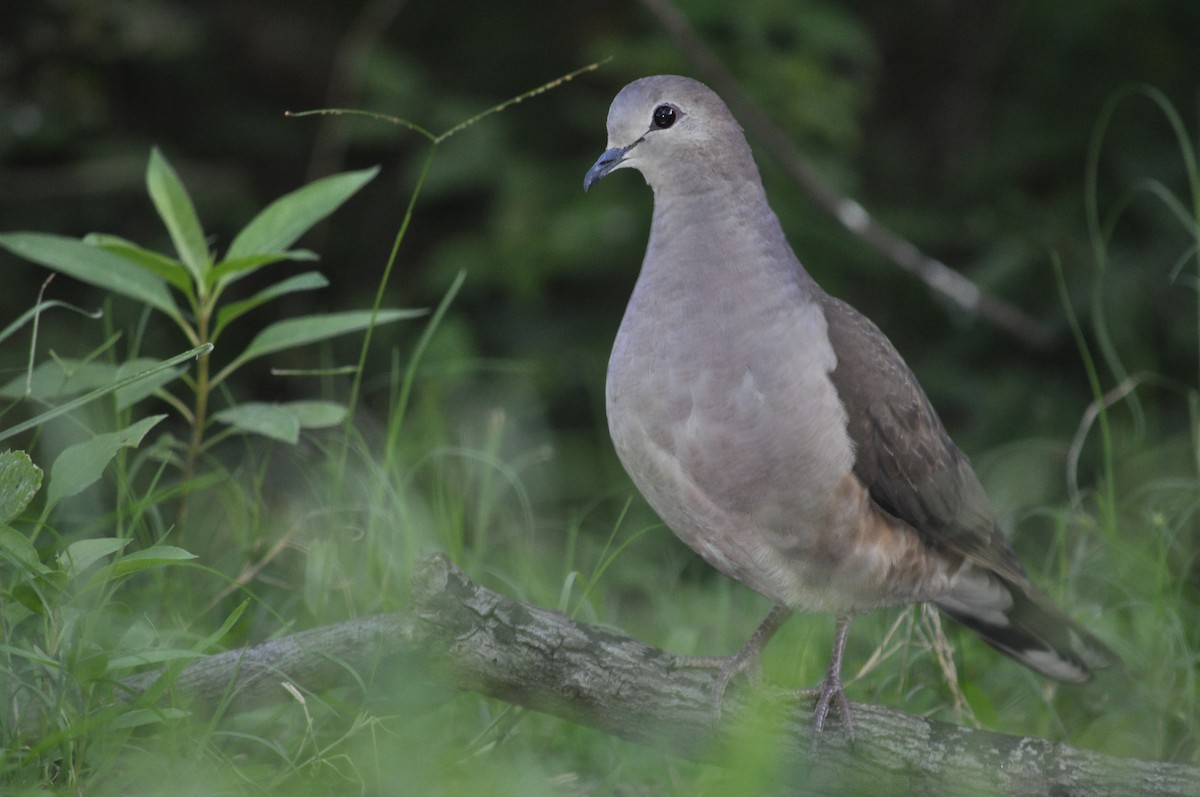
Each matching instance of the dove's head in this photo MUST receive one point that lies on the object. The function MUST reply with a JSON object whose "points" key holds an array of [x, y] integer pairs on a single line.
{"points": [[676, 132]]}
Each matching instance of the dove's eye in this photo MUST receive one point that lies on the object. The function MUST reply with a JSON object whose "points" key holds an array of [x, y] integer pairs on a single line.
{"points": [[664, 116]]}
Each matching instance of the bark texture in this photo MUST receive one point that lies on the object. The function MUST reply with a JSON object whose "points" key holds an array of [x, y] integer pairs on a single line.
{"points": [[475, 639]]}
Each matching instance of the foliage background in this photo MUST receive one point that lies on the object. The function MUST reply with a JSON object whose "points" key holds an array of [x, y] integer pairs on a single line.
{"points": [[965, 126], [962, 125]]}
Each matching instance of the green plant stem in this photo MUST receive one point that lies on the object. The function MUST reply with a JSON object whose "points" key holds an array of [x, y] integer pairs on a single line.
{"points": [[381, 289], [434, 140], [398, 410], [199, 418], [1093, 375]]}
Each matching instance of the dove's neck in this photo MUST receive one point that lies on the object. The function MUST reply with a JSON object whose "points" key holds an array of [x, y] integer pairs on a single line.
{"points": [[723, 241]]}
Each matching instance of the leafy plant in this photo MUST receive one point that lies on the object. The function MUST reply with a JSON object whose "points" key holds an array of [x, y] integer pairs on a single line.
{"points": [[190, 290], [53, 656], [66, 635], [53, 599]]}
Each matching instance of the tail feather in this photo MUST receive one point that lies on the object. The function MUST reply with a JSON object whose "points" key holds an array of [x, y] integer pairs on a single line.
{"points": [[1020, 621]]}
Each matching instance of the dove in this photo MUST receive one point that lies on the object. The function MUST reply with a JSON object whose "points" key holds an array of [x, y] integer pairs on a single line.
{"points": [[778, 432]]}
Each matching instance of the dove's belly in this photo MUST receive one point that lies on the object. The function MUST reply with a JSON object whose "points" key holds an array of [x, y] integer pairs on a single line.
{"points": [[747, 460]]}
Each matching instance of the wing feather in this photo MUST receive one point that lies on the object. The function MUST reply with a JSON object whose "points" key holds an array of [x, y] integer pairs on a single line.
{"points": [[909, 464]]}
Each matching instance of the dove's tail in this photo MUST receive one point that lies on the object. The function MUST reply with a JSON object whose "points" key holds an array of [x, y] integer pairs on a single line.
{"points": [[1020, 621]]}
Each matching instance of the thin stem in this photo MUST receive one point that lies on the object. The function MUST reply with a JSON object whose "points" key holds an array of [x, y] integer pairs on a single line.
{"points": [[387, 274], [1093, 376], [434, 140], [520, 98], [199, 415]]}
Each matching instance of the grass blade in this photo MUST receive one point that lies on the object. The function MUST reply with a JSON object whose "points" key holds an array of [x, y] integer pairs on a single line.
{"points": [[104, 391]]}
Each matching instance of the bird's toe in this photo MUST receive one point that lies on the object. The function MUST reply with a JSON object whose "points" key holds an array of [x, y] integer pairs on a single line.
{"points": [[830, 694]]}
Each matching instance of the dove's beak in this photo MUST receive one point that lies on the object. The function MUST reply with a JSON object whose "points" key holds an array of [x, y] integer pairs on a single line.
{"points": [[611, 159]]}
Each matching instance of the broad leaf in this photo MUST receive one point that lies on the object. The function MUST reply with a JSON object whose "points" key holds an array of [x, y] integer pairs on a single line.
{"points": [[173, 204], [295, 332], [283, 221], [81, 555], [268, 420], [156, 556], [308, 281], [80, 465], [168, 268], [20, 480], [316, 414], [92, 265], [15, 547], [282, 421]]}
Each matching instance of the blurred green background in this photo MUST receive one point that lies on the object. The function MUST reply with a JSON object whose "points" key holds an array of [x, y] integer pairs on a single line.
{"points": [[961, 125], [964, 126]]}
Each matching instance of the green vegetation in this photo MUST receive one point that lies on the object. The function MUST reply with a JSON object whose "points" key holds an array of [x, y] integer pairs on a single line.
{"points": [[153, 510]]}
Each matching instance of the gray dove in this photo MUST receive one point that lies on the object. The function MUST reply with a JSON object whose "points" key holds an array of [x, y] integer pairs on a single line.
{"points": [[778, 432]]}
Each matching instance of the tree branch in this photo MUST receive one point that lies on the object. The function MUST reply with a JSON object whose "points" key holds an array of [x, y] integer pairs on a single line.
{"points": [[475, 639]]}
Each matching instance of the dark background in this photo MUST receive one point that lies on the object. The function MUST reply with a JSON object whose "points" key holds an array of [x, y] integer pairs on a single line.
{"points": [[963, 126]]}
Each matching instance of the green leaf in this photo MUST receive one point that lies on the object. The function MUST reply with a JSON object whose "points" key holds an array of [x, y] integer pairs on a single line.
{"points": [[80, 465], [136, 718], [287, 218], [81, 555], [26, 595], [282, 421], [13, 613], [316, 414], [94, 266], [152, 656], [104, 391], [87, 663], [55, 380], [157, 556], [20, 480], [229, 271], [173, 204], [225, 628], [268, 420], [151, 379], [168, 268], [16, 548], [36, 656], [308, 281], [294, 332]]}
